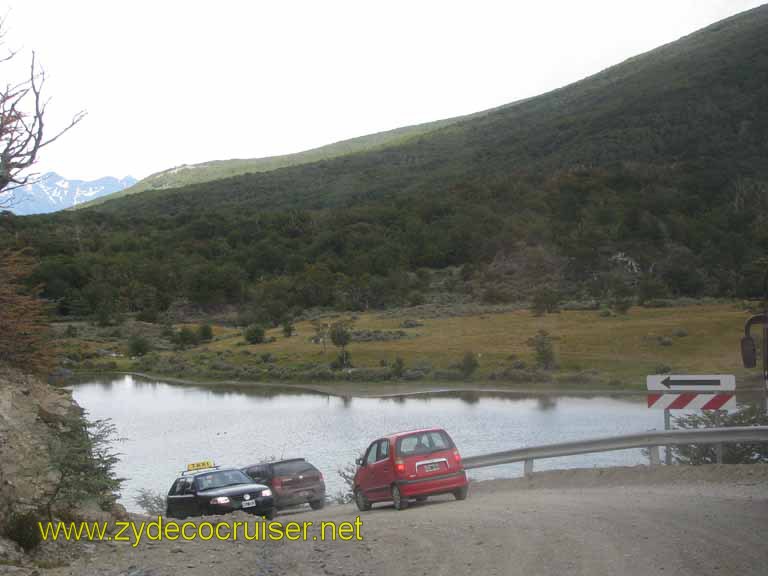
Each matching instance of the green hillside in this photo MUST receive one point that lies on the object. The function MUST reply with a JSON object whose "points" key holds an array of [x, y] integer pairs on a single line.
{"points": [[217, 169], [699, 100], [645, 181]]}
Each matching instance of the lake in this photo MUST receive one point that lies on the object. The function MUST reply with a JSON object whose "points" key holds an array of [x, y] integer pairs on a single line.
{"points": [[166, 426]]}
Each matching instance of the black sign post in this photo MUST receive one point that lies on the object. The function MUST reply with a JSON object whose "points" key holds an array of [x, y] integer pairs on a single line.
{"points": [[748, 351], [765, 364]]}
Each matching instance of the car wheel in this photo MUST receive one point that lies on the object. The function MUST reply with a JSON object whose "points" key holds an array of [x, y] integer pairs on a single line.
{"points": [[317, 504], [270, 514], [461, 493], [362, 502], [169, 514], [400, 501]]}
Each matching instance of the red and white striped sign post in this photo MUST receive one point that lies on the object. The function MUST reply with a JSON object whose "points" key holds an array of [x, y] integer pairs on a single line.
{"points": [[691, 392]]}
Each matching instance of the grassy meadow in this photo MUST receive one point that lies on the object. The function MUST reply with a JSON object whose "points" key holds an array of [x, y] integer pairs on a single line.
{"points": [[592, 350]]}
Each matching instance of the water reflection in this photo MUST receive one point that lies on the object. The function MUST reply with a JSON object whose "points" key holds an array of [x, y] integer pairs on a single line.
{"points": [[546, 403]]}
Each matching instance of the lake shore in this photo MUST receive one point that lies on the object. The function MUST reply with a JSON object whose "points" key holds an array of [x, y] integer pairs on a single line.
{"points": [[387, 389]]}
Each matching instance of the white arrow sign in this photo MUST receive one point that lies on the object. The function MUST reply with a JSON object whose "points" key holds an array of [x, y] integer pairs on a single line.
{"points": [[709, 383]]}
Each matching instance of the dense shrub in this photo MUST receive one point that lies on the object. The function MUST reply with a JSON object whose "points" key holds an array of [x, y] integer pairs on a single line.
{"points": [[186, 337], [138, 346], [543, 349], [545, 300], [23, 529], [494, 295], [469, 363], [149, 315], [254, 334], [342, 360], [651, 288], [340, 335], [205, 333], [398, 367]]}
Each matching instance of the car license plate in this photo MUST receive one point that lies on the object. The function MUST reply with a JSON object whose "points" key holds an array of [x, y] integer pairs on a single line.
{"points": [[249, 503], [431, 467]]}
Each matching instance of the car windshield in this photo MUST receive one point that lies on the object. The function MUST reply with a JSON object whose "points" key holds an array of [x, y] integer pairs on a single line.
{"points": [[423, 443], [221, 479]]}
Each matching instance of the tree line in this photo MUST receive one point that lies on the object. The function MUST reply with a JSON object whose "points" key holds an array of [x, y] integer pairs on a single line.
{"points": [[623, 232]]}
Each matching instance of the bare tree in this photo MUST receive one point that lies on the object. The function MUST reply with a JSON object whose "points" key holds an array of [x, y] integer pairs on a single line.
{"points": [[22, 127]]}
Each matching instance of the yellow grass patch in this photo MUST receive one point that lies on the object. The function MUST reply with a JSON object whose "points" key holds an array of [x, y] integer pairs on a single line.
{"points": [[625, 348]]}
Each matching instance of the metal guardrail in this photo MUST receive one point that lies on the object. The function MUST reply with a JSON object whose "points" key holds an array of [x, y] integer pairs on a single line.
{"points": [[650, 440]]}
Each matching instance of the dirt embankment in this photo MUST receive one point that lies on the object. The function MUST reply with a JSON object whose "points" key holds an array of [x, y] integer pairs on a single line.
{"points": [[33, 418], [638, 521], [30, 412]]}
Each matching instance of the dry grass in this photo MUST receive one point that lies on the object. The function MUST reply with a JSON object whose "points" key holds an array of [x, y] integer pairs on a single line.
{"points": [[623, 348]]}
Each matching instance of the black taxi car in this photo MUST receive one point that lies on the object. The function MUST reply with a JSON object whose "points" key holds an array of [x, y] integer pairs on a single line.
{"points": [[215, 490]]}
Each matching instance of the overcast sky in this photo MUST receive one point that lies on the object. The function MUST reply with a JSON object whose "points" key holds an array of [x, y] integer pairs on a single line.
{"points": [[173, 82]]}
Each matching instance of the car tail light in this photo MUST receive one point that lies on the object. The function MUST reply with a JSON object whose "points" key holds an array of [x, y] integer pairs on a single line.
{"points": [[399, 466], [277, 484], [456, 456]]}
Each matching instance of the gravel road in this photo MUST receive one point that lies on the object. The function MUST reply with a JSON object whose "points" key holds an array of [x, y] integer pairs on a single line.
{"points": [[666, 521]]}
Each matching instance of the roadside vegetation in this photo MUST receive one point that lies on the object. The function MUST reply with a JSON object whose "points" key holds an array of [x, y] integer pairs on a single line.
{"points": [[693, 454]]}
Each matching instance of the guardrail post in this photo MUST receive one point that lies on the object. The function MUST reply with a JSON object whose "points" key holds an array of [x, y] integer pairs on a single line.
{"points": [[667, 449], [528, 468], [719, 453], [653, 452], [719, 446]]}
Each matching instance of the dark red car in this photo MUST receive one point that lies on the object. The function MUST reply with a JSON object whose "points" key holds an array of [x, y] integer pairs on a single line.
{"points": [[293, 482], [409, 465]]}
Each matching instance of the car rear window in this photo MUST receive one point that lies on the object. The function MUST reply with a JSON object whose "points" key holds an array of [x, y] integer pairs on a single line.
{"points": [[293, 468], [259, 472], [423, 443]]}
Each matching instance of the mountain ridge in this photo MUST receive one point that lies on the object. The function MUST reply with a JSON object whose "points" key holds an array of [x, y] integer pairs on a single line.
{"points": [[52, 192]]}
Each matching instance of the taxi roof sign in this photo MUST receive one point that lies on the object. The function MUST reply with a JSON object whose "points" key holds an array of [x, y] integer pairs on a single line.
{"points": [[200, 465]]}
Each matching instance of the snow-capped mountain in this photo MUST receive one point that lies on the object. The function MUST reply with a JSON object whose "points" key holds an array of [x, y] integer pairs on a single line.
{"points": [[53, 192]]}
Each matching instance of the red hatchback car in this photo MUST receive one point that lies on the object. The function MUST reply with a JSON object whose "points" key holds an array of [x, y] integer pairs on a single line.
{"points": [[414, 464]]}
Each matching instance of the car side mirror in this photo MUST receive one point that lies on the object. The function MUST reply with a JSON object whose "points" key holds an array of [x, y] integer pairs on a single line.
{"points": [[748, 352], [359, 462]]}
